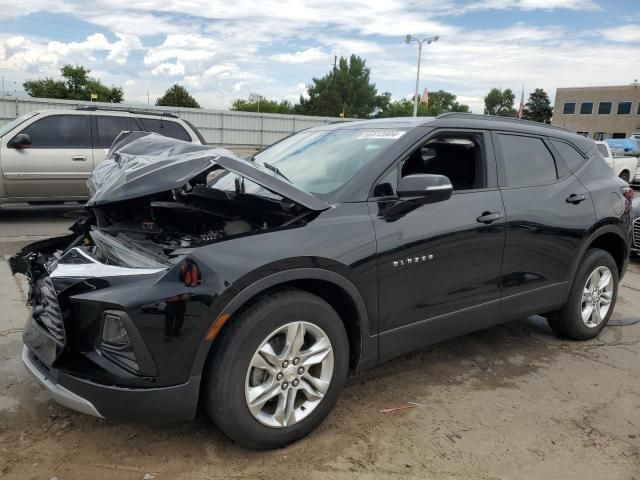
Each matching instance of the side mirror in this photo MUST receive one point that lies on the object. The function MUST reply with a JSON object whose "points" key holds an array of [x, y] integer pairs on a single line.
{"points": [[21, 140], [425, 188]]}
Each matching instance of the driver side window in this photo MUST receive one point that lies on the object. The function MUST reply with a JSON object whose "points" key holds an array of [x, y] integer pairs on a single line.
{"points": [[460, 157]]}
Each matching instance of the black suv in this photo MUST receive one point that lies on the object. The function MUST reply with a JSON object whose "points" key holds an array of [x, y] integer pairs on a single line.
{"points": [[251, 287]]}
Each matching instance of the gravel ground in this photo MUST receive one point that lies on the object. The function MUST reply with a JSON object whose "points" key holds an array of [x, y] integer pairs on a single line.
{"points": [[510, 402]]}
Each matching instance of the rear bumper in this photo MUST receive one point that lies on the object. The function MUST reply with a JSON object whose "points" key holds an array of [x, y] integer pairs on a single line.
{"points": [[165, 404]]}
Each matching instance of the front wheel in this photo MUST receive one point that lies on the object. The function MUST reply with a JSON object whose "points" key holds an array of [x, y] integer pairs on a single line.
{"points": [[591, 300], [279, 370]]}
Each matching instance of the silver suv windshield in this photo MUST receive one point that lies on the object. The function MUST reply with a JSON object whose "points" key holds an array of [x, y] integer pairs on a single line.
{"points": [[318, 162], [7, 127]]}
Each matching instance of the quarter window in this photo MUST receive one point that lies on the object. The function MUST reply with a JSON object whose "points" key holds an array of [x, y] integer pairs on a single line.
{"points": [[527, 161], [586, 108], [109, 127], [602, 149], [166, 128], [604, 108], [572, 158], [624, 108], [60, 131], [569, 108]]}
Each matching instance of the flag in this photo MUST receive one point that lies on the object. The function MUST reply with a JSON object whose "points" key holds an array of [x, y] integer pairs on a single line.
{"points": [[425, 98], [521, 109]]}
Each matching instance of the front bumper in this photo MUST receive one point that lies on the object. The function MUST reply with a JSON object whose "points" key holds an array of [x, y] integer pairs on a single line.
{"points": [[166, 404], [58, 392]]}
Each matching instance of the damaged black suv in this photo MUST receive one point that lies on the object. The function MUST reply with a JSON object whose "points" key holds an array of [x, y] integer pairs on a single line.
{"points": [[251, 287]]}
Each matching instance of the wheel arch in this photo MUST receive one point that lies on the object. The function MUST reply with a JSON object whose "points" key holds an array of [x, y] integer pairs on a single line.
{"points": [[610, 239], [335, 289]]}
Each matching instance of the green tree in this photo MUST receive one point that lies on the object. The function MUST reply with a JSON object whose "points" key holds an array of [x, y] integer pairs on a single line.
{"points": [[440, 101], [258, 103], [538, 108], [500, 102], [346, 90], [177, 96], [76, 85]]}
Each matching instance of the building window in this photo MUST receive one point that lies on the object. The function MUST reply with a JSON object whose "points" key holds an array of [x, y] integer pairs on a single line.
{"points": [[569, 108], [638, 112], [584, 134], [586, 108], [624, 108], [619, 135], [604, 108], [600, 136]]}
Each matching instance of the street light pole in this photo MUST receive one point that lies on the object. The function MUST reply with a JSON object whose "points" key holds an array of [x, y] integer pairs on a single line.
{"points": [[408, 39]]}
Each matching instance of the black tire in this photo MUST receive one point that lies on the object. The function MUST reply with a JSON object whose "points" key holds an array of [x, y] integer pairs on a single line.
{"points": [[225, 400], [625, 176], [567, 322]]}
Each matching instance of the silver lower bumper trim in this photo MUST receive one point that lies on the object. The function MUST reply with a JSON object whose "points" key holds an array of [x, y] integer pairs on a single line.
{"points": [[58, 392]]}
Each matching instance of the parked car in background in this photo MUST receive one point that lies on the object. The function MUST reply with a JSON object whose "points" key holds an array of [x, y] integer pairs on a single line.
{"points": [[623, 166], [47, 156], [635, 219], [251, 287], [624, 146]]}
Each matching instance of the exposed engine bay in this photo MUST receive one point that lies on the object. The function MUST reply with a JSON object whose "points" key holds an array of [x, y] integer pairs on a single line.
{"points": [[168, 224], [154, 199]]}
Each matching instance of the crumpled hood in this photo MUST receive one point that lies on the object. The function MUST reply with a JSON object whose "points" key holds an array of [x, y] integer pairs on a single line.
{"points": [[144, 163]]}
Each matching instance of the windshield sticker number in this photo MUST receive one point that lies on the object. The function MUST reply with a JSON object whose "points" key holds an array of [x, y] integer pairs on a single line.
{"points": [[385, 134]]}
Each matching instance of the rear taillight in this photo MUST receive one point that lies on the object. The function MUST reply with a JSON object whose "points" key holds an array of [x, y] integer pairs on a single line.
{"points": [[627, 192]]}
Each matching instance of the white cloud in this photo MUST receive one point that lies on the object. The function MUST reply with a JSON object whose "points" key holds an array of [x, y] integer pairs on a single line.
{"points": [[623, 33], [310, 55], [171, 69]]}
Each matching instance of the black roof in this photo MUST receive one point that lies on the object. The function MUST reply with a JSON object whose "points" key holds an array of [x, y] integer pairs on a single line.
{"points": [[468, 120]]}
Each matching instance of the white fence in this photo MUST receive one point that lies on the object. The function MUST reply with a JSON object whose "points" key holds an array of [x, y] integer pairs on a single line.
{"points": [[238, 131]]}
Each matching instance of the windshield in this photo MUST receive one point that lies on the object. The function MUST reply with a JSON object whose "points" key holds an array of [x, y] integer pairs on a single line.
{"points": [[7, 127], [322, 161]]}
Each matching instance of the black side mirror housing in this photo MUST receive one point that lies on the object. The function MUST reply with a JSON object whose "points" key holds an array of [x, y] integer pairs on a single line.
{"points": [[21, 140], [425, 188]]}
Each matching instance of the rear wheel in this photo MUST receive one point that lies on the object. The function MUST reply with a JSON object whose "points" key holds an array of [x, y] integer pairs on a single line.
{"points": [[591, 299], [279, 370]]}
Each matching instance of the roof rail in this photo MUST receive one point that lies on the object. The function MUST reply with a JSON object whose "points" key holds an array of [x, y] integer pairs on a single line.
{"points": [[92, 108], [496, 118]]}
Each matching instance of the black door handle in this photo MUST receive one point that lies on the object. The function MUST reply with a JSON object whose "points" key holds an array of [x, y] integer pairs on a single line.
{"points": [[576, 198], [489, 217]]}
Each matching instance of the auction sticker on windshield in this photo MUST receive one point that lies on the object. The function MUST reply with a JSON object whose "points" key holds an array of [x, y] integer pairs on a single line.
{"points": [[390, 134]]}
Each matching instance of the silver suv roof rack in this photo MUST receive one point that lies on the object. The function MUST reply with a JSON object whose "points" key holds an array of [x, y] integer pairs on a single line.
{"points": [[92, 108]]}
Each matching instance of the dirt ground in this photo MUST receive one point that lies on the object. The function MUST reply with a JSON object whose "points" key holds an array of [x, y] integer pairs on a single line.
{"points": [[511, 402]]}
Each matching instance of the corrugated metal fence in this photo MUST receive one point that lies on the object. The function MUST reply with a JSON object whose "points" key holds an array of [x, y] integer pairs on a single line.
{"points": [[239, 131]]}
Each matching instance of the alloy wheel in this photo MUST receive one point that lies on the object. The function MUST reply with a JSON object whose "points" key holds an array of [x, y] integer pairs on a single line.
{"points": [[597, 296], [289, 374]]}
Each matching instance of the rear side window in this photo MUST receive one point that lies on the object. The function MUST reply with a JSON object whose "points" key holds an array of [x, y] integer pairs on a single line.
{"points": [[527, 161], [166, 128], [602, 149], [570, 155], [60, 131], [109, 127]]}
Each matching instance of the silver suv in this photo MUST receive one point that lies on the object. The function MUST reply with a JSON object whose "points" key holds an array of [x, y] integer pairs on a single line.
{"points": [[47, 156]]}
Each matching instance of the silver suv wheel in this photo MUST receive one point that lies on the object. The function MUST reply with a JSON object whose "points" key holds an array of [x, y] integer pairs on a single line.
{"points": [[289, 374], [596, 297]]}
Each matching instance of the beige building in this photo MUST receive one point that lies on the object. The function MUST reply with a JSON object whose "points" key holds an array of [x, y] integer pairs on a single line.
{"points": [[599, 112]]}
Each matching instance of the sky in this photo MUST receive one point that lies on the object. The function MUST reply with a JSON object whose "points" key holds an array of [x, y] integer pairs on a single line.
{"points": [[222, 50]]}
